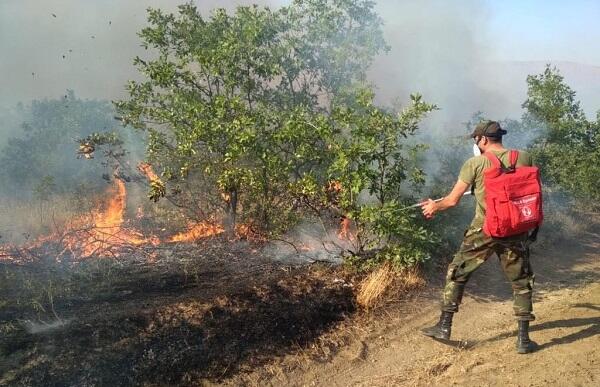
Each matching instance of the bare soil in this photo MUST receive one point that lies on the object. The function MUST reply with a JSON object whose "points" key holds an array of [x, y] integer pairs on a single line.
{"points": [[221, 314]]}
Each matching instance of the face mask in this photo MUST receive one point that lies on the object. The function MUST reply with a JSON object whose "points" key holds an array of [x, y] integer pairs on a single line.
{"points": [[476, 150]]}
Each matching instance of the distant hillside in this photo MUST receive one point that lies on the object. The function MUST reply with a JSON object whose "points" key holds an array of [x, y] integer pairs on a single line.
{"points": [[511, 76], [463, 85]]}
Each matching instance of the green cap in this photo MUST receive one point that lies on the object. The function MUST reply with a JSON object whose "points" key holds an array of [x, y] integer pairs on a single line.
{"points": [[488, 129]]}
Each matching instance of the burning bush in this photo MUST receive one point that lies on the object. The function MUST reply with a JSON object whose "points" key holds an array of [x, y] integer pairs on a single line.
{"points": [[251, 115]]}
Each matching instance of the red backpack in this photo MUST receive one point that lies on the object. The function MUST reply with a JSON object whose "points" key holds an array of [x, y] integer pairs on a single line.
{"points": [[513, 197]]}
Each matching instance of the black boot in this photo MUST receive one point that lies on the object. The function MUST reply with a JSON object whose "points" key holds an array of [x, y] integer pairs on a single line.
{"points": [[524, 344], [442, 329]]}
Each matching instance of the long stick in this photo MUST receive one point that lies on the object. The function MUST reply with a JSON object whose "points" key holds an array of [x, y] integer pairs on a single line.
{"points": [[436, 200]]}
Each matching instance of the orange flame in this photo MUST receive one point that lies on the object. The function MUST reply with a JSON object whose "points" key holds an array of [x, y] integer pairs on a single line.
{"points": [[196, 231], [334, 186], [344, 232], [103, 233], [201, 230], [245, 231], [113, 216], [146, 170], [6, 253]]}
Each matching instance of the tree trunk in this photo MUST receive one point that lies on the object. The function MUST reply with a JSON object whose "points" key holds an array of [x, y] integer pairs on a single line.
{"points": [[231, 213]]}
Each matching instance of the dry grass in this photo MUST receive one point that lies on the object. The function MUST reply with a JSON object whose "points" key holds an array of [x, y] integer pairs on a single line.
{"points": [[374, 286], [432, 371], [24, 220], [409, 279], [384, 281]]}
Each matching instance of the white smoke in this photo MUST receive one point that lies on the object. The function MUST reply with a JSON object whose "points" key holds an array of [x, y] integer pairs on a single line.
{"points": [[438, 48], [87, 46]]}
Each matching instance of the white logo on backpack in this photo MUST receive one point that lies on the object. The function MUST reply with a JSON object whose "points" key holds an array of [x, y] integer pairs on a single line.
{"points": [[526, 211]]}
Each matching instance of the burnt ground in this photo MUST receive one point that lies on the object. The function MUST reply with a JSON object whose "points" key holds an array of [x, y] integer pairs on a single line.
{"points": [[221, 313], [198, 314]]}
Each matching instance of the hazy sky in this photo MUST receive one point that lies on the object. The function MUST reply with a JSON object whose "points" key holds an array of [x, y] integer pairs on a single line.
{"points": [[88, 45], [553, 30]]}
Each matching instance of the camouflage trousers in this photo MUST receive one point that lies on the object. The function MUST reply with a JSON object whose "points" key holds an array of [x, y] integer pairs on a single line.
{"points": [[475, 249]]}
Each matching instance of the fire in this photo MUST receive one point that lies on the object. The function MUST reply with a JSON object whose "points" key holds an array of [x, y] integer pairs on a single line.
{"points": [[201, 230], [245, 231], [344, 232], [197, 231], [334, 186], [6, 252], [146, 170], [113, 216], [102, 233]]}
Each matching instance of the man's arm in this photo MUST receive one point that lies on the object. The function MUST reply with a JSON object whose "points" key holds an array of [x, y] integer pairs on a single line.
{"points": [[430, 207]]}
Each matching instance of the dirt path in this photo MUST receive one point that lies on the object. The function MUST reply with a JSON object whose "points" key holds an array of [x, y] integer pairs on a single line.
{"points": [[567, 305]]}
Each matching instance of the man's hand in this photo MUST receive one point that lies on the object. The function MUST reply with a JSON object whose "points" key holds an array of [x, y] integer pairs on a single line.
{"points": [[429, 208]]}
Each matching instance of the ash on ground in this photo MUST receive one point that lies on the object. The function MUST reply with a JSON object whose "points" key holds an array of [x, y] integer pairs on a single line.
{"points": [[308, 244]]}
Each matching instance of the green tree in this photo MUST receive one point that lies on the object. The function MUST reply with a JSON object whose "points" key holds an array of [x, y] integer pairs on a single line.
{"points": [[265, 116], [46, 147], [568, 144], [229, 100], [377, 170], [551, 108]]}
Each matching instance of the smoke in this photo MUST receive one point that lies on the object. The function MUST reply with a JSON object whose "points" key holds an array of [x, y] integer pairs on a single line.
{"points": [[87, 46], [11, 118], [33, 327], [310, 241], [439, 49], [53, 46]]}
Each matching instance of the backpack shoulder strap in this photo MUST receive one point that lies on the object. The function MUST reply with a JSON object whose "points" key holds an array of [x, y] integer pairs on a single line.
{"points": [[514, 156], [493, 159]]}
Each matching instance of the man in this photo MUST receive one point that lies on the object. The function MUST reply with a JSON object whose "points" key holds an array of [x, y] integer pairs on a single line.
{"points": [[477, 247]]}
